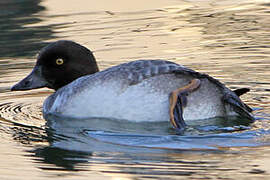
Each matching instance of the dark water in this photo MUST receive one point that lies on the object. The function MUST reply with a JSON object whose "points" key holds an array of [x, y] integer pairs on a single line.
{"points": [[226, 39]]}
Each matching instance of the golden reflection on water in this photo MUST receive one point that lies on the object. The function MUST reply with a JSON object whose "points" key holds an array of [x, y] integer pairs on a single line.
{"points": [[226, 39], [62, 6]]}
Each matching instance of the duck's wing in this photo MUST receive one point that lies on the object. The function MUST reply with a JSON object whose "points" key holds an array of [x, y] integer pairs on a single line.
{"points": [[142, 69], [139, 70]]}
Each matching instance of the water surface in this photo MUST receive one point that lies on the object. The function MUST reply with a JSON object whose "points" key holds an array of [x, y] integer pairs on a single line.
{"points": [[228, 40]]}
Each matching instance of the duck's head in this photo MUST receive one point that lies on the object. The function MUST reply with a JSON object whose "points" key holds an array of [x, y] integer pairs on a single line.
{"points": [[58, 64]]}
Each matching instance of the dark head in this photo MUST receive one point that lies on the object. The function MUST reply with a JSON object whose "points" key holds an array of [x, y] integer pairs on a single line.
{"points": [[57, 65]]}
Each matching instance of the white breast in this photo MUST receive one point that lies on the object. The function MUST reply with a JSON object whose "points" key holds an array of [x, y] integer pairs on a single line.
{"points": [[111, 100]]}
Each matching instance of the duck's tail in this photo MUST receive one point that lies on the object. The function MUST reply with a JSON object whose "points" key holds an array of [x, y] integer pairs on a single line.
{"points": [[241, 91]]}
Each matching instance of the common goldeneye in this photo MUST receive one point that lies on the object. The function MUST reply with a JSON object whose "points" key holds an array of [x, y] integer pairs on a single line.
{"points": [[142, 90]]}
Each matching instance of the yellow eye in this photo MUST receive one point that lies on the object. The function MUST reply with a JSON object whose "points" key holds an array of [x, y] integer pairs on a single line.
{"points": [[59, 61]]}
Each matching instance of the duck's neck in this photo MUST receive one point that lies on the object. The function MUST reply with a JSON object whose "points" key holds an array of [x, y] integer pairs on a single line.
{"points": [[93, 64]]}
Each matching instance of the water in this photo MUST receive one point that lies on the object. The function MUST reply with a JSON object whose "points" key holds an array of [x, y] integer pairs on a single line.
{"points": [[226, 39]]}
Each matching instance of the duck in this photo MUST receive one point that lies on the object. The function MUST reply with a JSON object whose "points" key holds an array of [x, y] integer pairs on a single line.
{"points": [[140, 90]]}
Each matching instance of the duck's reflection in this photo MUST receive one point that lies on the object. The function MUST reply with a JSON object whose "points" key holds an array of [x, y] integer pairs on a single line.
{"points": [[63, 159]]}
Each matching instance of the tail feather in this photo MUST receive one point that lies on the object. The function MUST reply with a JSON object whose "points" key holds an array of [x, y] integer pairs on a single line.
{"points": [[241, 91]]}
